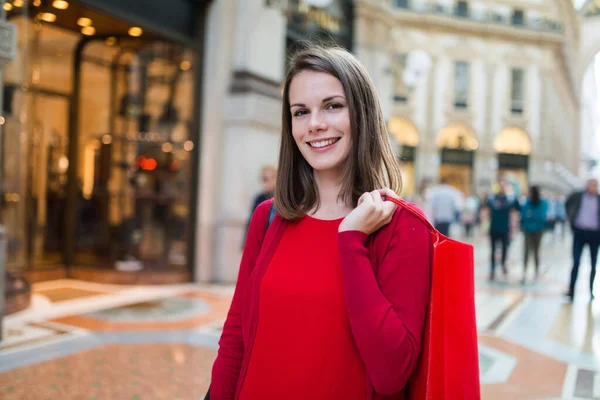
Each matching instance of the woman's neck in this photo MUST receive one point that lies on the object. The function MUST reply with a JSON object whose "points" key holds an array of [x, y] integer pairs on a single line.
{"points": [[330, 204]]}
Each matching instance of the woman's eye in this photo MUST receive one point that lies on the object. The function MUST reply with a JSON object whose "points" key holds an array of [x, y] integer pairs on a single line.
{"points": [[334, 106], [299, 113]]}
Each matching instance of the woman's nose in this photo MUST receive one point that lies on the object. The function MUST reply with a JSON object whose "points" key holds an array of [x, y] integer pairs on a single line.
{"points": [[317, 122]]}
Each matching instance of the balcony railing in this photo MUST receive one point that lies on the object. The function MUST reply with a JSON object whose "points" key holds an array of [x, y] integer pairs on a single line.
{"points": [[461, 104], [400, 98], [516, 107], [537, 24]]}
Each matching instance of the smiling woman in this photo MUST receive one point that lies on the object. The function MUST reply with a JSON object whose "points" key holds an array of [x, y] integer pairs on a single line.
{"points": [[332, 318], [335, 101]]}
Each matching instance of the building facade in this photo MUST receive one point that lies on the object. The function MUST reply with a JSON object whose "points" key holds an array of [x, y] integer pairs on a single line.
{"points": [[500, 95]]}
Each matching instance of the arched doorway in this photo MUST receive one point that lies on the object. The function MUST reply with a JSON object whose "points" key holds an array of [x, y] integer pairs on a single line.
{"points": [[457, 143], [406, 138], [513, 148]]}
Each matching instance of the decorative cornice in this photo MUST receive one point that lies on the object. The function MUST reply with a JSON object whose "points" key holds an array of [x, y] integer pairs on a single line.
{"points": [[449, 23], [249, 82]]}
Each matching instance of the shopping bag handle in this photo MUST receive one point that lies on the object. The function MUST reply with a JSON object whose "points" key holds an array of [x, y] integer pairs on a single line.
{"points": [[417, 213]]}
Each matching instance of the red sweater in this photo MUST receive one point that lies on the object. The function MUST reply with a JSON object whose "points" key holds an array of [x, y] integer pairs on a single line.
{"points": [[386, 280], [303, 327]]}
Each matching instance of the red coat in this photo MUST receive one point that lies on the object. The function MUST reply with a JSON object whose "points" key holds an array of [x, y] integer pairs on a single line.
{"points": [[386, 279]]}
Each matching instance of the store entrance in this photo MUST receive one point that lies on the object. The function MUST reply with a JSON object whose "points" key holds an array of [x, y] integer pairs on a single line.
{"points": [[514, 147], [135, 166], [98, 144], [456, 168]]}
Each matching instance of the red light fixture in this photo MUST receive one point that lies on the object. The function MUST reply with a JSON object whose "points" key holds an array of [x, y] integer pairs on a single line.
{"points": [[147, 164]]}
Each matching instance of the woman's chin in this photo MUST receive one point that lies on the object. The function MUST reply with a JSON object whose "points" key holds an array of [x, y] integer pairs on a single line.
{"points": [[328, 168]]}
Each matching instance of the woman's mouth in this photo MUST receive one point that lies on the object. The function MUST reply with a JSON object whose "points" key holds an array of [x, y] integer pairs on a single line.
{"points": [[325, 144]]}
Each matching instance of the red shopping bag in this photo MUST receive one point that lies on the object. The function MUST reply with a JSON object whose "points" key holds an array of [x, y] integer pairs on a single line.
{"points": [[448, 367]]}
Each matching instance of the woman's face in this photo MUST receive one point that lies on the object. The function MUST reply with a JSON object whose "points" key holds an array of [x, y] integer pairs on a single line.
{"points": [[320, 120]]}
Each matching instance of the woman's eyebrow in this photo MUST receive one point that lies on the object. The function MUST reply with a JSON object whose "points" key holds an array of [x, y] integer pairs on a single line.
{"points": [[325, 100]]}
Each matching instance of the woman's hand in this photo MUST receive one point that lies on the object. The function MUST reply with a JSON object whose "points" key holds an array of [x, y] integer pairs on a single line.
{"points": [[371, 213]]}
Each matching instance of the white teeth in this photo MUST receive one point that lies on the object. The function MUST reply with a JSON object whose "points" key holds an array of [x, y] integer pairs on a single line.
{"points": [[323, 143]]}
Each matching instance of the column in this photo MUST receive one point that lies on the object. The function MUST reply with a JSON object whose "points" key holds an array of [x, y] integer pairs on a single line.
{"points": [[427, 164], [486, 163], [250, 127], [539, 171]]}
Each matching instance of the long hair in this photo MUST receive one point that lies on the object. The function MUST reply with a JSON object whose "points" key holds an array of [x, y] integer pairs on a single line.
{"points": [[371, 163], [534, 195]]}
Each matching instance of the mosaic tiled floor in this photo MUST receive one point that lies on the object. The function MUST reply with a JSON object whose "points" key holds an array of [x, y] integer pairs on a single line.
{"points": [[67, 293], [84, 341], [115, 371]]}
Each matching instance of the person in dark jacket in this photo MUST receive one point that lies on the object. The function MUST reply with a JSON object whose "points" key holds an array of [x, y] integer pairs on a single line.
{"points": [[268, 177], [583, 212], [533, 223], [500, 206]]}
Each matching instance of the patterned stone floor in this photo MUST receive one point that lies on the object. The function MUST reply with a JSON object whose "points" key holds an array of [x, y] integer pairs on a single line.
{"points": [[89, 341], [115, 371]]}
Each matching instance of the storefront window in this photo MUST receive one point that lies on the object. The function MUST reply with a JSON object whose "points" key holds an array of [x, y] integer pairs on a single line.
{"points": [[130, 150]]}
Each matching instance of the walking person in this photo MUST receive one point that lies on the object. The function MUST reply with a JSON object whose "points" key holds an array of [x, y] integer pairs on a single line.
{"points": [[444, 206], [583, 211], [561, 215], [268, 177], [533, 224], [500, 206], [336, 291], [469, 215]]}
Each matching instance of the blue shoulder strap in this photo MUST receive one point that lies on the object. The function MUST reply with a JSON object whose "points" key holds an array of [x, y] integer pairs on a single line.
{"points": [[272, 214]]}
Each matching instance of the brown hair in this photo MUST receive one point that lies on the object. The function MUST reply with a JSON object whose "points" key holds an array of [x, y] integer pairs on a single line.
{"points": [[371, 163]]}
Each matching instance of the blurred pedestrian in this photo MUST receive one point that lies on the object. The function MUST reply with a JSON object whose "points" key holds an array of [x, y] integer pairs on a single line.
{"points": [[533, 223], [469, 215], [500, 206], [331, 318], [268, 178], [583, 211], [561, 215], [445, 202]]}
